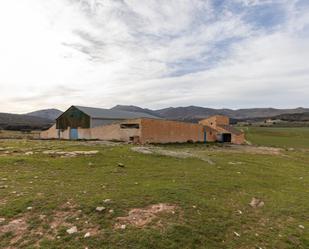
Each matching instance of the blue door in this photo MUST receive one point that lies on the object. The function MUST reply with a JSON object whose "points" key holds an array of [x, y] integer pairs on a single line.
{"points": [[73, 134]]}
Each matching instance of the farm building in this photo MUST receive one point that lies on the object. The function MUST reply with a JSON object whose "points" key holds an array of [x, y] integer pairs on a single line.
{"points": [[103, 124]]}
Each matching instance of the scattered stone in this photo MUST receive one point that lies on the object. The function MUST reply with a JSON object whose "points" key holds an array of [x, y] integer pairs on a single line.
{"points": [[2, 220], [4, 186], [140, 217], [301, 226], [29, 153], [42, 216], [239, 211], [235, 163], [100, 209], [87, 235], [136, 183], [4, 179], [36, 177], [237, 234], [256, 203], [121, 165], [107, 200], [111, 211], [29, 208], [72, 230], [194, 206]]}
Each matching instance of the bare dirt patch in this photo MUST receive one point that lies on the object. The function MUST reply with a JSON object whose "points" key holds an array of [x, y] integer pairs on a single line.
{"points": [[248, 149], [70, 153], [171, 153], [17, 226], [141, 217]]}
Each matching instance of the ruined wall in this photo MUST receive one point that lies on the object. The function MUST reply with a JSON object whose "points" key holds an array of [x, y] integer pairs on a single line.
{"points": [[51, 133], [238, 139], [213, 121], [211, 134], [163, 131]]}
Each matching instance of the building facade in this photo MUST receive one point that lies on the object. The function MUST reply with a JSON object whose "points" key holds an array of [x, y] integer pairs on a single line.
{"points": [[102, 124]]}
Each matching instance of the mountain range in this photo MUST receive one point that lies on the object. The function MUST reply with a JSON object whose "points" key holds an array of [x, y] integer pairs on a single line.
{"points": [[44, 118], [195, 113]]}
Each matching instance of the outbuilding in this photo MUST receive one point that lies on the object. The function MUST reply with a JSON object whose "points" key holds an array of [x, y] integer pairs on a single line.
{"points": [[103, 124]]}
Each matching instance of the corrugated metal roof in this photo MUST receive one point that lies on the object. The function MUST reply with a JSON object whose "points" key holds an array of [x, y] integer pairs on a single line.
{"points": [[112, 114]]}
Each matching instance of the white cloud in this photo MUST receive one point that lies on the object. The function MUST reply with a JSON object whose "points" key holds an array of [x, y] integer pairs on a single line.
{"points": [[100, 53]]}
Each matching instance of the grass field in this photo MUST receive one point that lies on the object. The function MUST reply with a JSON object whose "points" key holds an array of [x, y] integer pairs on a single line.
{"points": [[44, 192], [296, 137]]}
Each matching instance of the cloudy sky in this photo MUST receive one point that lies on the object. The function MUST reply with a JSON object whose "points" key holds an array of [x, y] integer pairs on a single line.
{"points": [[153, 53]]}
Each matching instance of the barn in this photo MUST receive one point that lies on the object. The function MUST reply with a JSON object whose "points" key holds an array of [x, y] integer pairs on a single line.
{"points": [[224, 131], [104, 124]]}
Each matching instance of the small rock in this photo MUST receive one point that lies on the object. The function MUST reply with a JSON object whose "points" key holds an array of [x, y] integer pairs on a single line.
{"points": [[4, 186], [256, 203], [107, 200], [4, 179], [136, 183], [29, 208], [100, 209], [72, 230], [87, 235], [121, 165], [123, 227], [58, 237], [237, 234], [111, 211], [301, 226], [36, 177], [29, 153], [194, 206], [2, 220], [239, 211]]}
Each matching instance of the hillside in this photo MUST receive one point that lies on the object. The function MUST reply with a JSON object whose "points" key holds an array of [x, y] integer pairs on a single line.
{"points": [[194, 113], [22, 122], [50, 114], [294, 117]]}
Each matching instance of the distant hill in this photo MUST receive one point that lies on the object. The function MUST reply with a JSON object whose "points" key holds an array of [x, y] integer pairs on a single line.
{"points": [[50, 114], [132, 108], [23, 122], [293, 117], [195, 113]]}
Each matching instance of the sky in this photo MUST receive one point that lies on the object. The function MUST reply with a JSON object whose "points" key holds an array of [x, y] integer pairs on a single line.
{"points": [[153, 53]]}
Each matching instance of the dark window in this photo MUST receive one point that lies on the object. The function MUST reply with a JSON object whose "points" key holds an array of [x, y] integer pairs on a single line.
{"points": [[129, 126]]}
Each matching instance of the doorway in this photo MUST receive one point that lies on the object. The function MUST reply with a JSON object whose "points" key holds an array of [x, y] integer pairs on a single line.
{"points": [[226, 137], [73, 134]]}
